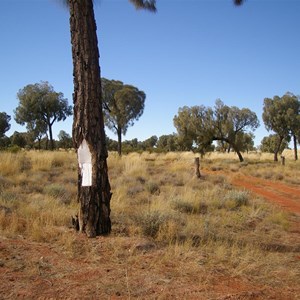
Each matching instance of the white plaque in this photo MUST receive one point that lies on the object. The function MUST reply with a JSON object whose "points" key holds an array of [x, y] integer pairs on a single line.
{"points": [[85, 163]]}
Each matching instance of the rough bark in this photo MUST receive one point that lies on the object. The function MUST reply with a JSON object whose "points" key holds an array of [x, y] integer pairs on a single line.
{"points": [[119, 131], [51, 137], [231, 144], [94, 214], [197, 167], [277, 148], [295, 147]]}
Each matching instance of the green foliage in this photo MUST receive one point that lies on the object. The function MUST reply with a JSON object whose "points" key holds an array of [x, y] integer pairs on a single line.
{"points": [[4, 123], [39, 107], [58, 192], [152, 187], [14, 149], [188, 207], [151, 222], [144, 4], [168, 143], [270, 143], [200, 126], [282, 116], [18, 139], [123, 104], [236, 199], [64, 140], [4, 142]]}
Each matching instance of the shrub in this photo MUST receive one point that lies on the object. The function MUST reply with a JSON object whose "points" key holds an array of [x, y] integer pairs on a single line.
{"points": [[235, 199], [153, 188], [182, 206], [151, 222], [133, 190], [58, 192]]}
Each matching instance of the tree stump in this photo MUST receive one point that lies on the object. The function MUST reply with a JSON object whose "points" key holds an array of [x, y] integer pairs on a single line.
{"points": [[197, 167], [282, 160]]}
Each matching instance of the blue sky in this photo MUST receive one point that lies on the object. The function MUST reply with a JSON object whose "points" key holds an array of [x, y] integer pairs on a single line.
{"points": [[191, 52]]}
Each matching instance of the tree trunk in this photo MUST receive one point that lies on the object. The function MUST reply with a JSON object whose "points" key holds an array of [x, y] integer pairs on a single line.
{"points": [[231, 144], [295, 147], [239, 155], [229, 149], [119, 131], [277, 149], [88, 125], [197, 167], [51, 137]]}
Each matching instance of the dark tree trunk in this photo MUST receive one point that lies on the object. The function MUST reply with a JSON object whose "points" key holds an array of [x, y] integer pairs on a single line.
{"points": [[88, 125], [277, 148], [197, 167], [295, 147], [229, 149], [231, 144], [39, 143], [51, 137], [119, 131]]}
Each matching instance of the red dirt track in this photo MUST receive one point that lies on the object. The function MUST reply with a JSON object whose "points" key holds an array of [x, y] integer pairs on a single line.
{"points": [[288, 197]]}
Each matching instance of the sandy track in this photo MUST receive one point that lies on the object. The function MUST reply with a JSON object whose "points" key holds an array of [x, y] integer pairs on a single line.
{"points": [[286, 196]]}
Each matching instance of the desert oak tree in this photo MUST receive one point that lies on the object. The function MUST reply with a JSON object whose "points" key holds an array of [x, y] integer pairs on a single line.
{"points": [[123, 104], [4, 123], [88, 124], [89, 139], [40, 104], [202, 125]]}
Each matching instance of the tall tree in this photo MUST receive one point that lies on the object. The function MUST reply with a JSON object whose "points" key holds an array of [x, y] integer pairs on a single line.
{"points": [[270, 143], [36, 130], [203, 125], [276, 118], [88, 125], [4, 123], [292, 104], [94, 217], [123, 105], [230, 124], [40, 103]]}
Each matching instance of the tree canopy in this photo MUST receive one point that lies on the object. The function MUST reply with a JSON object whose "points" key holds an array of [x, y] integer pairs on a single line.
{"points": [[202, 125], [269, 144], [39, 107], [282, 116], [123, 104], [4, 123]]}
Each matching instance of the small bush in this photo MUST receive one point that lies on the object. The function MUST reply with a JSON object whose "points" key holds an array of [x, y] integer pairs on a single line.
{"points": [[235, 199], [151, 222], [58, 192], [183, 206], [4, 182], [57, 162], [24, 163], [14, 149], [134, 190], [188, 207], [153, 188], [141, 179], [9, 197]]}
